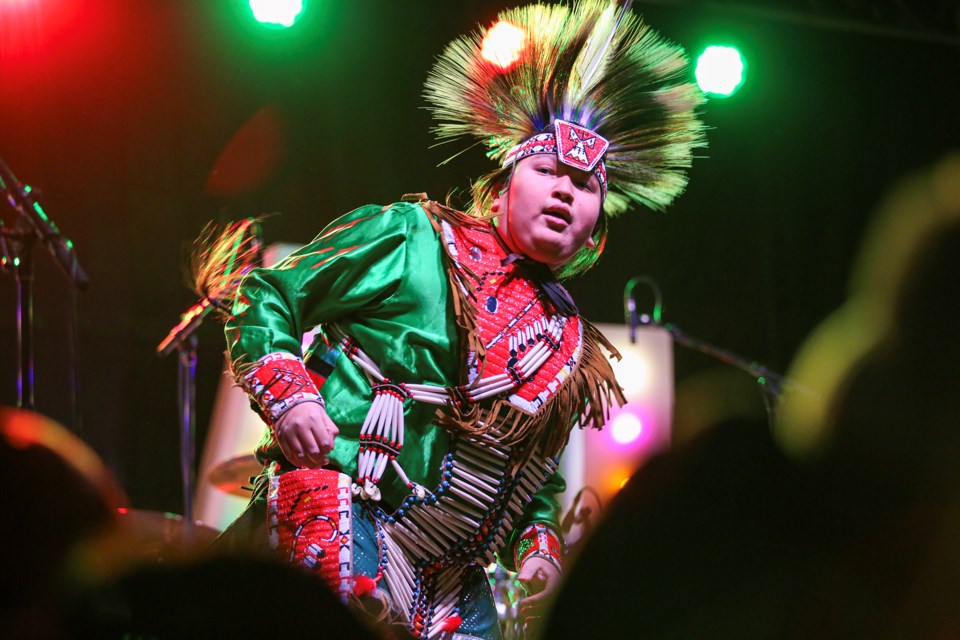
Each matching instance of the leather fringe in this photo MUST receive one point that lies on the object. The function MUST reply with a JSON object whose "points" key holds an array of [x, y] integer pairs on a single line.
{"points": [[463, 281], [584, 398]]}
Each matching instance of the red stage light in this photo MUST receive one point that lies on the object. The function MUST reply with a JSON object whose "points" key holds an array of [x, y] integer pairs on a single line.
{"points": [[503, 44], [29, 28]]}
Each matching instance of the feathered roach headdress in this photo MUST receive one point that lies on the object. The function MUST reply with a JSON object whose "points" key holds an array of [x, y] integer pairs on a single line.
{"points": [[590, 82]]}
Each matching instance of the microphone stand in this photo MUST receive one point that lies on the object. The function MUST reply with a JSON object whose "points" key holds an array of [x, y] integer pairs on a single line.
{"points": [[772, 384], [183, 338], [16, 255]]}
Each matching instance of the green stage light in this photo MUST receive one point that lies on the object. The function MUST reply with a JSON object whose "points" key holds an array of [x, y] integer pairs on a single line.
{"points": [[277, 13], [720, 71]]}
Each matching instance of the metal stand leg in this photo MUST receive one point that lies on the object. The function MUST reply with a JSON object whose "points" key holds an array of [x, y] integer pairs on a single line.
{"points": [[186, 377]]}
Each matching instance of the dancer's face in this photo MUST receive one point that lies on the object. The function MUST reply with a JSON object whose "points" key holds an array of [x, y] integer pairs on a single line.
{"points": [[549, 209]]}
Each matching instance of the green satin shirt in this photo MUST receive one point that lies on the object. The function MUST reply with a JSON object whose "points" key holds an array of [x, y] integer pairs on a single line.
{"points": [[378, 274]]}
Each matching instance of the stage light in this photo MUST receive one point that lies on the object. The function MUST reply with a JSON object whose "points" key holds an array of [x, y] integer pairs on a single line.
{"points": [[639, 429], [503, 45], [626, 427], [614, 480], [276, 13], [633, 372], [720, 71]]}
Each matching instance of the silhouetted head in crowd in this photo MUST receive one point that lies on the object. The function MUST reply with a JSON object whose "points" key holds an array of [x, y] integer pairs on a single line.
{"points": [[883, 445], [58, 495], [897, 321], [217, 597]]}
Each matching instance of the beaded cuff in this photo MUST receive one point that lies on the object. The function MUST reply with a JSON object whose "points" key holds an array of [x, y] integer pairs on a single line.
{"points": [[279, 382], [537, 540]]}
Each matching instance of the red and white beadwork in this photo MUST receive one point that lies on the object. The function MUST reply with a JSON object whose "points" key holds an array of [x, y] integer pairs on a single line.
{"points": [[541, 143], [578, 146], [309, 519], [537, 541], [529, 353], [278, 382]]}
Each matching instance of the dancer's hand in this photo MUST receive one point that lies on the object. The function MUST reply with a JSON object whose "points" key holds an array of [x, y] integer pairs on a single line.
{"points": [[540, 578], [306, 435]]}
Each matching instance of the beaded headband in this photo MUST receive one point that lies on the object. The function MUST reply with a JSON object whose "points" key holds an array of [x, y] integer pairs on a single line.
{"points": [[579, 147]]}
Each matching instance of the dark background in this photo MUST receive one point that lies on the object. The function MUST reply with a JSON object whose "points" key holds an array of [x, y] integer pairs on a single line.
{"points": [[141, 120]]}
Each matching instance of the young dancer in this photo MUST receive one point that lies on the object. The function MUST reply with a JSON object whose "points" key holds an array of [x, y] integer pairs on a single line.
{"points": [[417, 439]]}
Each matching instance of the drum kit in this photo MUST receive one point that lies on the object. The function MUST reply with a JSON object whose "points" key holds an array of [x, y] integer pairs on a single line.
{"points": [[233, 475], [161, 536]]}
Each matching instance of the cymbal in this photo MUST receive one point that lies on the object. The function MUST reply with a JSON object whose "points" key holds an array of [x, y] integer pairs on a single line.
{"points": [[233, 475], [163, 536]]}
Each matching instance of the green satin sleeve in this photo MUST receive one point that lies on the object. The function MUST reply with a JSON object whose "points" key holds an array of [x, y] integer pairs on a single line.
{"points": [[350, 269], [378, 274]]}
